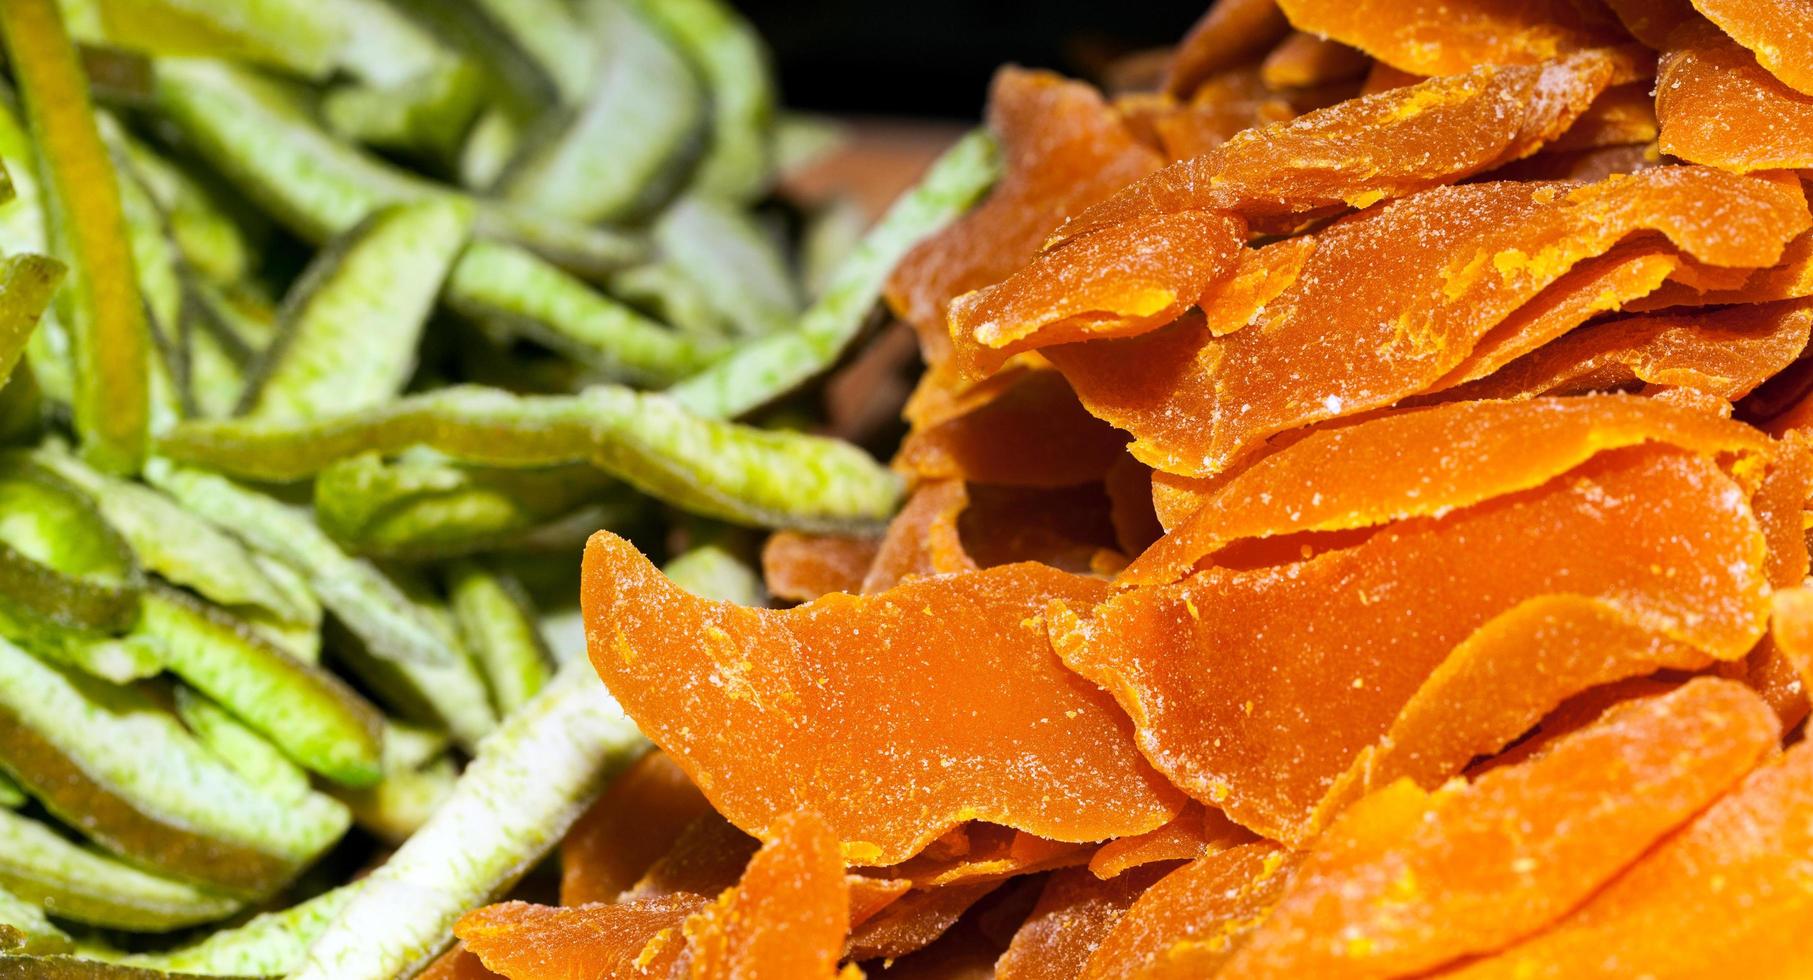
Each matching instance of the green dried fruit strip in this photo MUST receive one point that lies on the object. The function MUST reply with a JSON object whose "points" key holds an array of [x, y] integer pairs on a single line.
{"points": [[528, 784], [308, 713], [272, 944], [733, 261], [100, 301], [11, 796], [83, 885], [300, 36], [420, 508], [369, 604], [244, 750], [549, 33], [27, 283], [761, 370], [718, 469], [25, 930], [501, 632], [611, 152], [397, 807], [61, 565], [728, 54], [111, 765], [351, 324], [207, 231]]}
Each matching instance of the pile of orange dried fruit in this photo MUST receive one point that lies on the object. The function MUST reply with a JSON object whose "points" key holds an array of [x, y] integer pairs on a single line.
{"points": [[1357, 528]]}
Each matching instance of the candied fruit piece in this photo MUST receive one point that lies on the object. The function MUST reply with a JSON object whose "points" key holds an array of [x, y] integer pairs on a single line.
{"points": [[922, 539], [1074, 914], [1304, 60], [788, 915], [1406, 880], [1425, 462], [896, 716], [1116, 282], [994, 853], [1227, 34], [801, 566], [1729, 895], [1652, 21], [1188, 923], [1717, 106], [1727, 353], [1621, 115], [1255, 689], [1779, 32], [1198, 830], [1791, 278], [1791, 629], [458, 963], [1034, 432], [1416, 284], [1223, 105], [581, 942], [915, 920], [1444, 37], [868, 896], [1063, 149], [706, 858], [635, 823], [1361, 151]]}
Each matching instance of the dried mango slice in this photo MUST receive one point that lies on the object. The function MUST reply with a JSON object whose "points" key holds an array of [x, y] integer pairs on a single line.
{"points": [[1433, 37], [1791, 629], [1223, 105], [1621, 115], [1074, 914], [1727, 353], [1407, 880], [1383, 78], [1130, 510], [1197, 831], [1780, 503], [922, 539], [838, 691], [635, 822], [1718, 106], [1116, 282], [1500, 681], [1594, 287], [1188, 923], [1175, 498], [1034, 432], [707, 858], [1304, 60], [1262, 275], [1425, 462], [458, 963], [1063, 149], [1791, 278], [542, 942], [1244, 696], [915, 921], [868, 896], [1594, 164], [1418, 283], [787, 917], [994, 853], [1651, 21], [1225, 36], [800, 566], [1779, 32], [1671, 915], [1386, 145]]}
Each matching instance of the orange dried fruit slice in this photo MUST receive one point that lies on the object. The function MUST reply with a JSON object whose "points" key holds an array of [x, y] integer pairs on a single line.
{"points": [[1791, 278], [994, 853], [787, 917], [521, 941], [1197, 831], [868, 896], [1726, 352], [1188, 923], [1255, 689], [915, 920], [1361, 151], [1116, 282], [1224, 104], [800, 566], [1728, 895], [1063, 149], [1444, 37], [922, 539], [636, 822], [1032, 432], [1791, 629], [1652, 21], [1408, 880], [1779, 32], [1305, 60], [1717, 106], [458, 963], [1229, 33], [896, 716], [707, 857], [1130, 509], [1074, 914], [1425, 462], [1621, 115], [1417, 282]]}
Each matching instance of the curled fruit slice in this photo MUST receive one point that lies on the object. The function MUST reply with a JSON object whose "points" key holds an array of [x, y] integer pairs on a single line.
{"points": [[1361, 151], [637, 820], [1194, 916], [1417, 284], [1407, 880], [1718, 106], [898, 715], [1246, 697], [1440, 37], [1074, 914], [1779, 32], [787, 917], [805, 566]]}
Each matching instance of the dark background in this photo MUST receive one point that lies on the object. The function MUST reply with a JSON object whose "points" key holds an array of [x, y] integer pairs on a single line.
{"points": [[933, 58]]}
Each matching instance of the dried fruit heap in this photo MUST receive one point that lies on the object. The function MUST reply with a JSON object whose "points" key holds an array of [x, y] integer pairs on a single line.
{"points": [[1357, 529]]}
